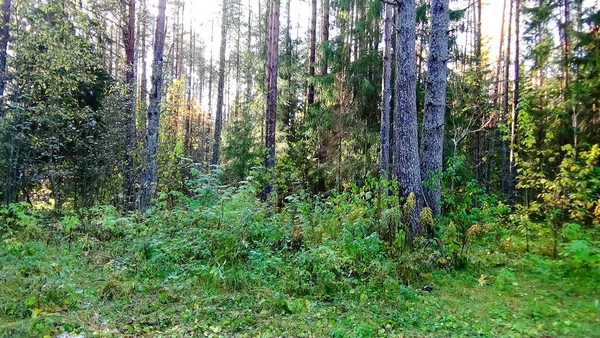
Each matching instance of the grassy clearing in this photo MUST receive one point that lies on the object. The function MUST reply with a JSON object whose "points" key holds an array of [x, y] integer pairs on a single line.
{"points": [[46, 289]]}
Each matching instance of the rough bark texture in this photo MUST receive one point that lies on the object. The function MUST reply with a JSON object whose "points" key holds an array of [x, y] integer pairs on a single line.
{"points": [[4, 35], [220, 88], [150, 175], [386, 95], [435, 105], [272, 67], [312, 53], [130, 130], [406, 155]]}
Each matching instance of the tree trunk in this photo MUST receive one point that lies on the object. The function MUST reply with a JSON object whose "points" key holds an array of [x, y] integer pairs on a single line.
{"points": [[210, 67], [324, 36], [515, 110], [272, 69], [220, 88], [312, 53], [406, 155], [150, 175], [130, 130], [144, 80], [386, 95], [506, 182], [435, 105], [4, 36]]}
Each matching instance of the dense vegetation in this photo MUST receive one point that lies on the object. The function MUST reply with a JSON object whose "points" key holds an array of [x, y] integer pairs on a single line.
{"points": [[382, 174]]}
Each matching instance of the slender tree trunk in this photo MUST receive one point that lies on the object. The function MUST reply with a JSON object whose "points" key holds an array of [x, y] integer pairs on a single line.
{"points": [[248, 53], [312, 53], [210, 66], [130, 130], [150, 174], [515, 110], [144, 81], [220, 88], [435, 105], [506, 104], [386, 95], [406, 155], [272, 70], [4, 36], [324, 36], [500, 56]]}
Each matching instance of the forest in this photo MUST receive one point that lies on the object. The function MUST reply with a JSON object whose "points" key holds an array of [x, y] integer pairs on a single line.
{"points": [[299, 168]]}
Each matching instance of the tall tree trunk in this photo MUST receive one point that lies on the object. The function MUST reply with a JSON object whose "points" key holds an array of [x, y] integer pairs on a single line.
{"points": [[406, 155], [324, 36], [249, 66], [272, 70], [130, 130], [386, 95], [4, 36], [435, 105], [150, 174], [144, 81], [312, 52], [220, 88], [515, 110], [210, 66], [506, 105]]}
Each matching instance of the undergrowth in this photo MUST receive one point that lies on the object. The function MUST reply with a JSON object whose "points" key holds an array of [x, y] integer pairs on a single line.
{"points": [[222, 263]]}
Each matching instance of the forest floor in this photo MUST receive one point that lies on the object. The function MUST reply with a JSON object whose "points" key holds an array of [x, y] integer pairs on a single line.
{"points": [[48, 289]]}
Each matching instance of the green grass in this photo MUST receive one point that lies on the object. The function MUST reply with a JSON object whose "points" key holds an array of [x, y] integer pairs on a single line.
{"points": [[102, 288]]}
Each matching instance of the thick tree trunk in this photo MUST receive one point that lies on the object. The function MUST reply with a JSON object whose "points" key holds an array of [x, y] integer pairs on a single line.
{"points": [[406, 155], [386, 95], [220, 88], [435, 105], [272, 70], [150, 174], [4, 36], [312, 52], [130, 129]]}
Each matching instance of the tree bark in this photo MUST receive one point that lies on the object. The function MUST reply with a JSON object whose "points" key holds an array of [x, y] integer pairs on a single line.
{"points": [[150, 175], [506, 182], [220, 88], [324, 36], [312, 53], [144, 80], [515, 110], [130, 128], [272, 70], [4, 36], [386, 95], [406, 155], [435, 105]]}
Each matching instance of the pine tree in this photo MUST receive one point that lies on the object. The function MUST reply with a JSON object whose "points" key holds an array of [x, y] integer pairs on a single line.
{"points": [[406, 142], [149, 175], [435, 105], [130, 132], [4, 36], [272, 70], [220, 87], [386, 91]]}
